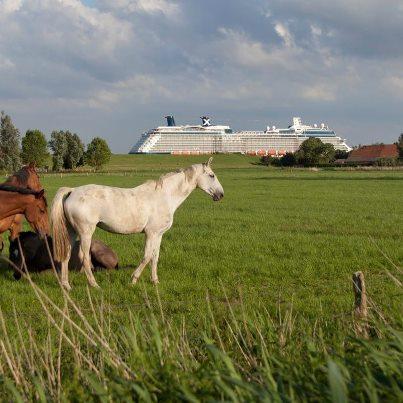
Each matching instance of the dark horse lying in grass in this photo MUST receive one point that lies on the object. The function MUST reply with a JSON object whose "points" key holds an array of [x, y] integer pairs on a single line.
{"points": [[37, 257], [25, 178]]}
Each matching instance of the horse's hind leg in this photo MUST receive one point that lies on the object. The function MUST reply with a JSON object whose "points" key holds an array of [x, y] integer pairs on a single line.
{"points": [[65, 264], [81, 257], [154, 260], [85, 240]]}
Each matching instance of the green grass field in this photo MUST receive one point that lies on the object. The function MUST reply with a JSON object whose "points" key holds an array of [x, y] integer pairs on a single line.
{"points": [[282, 244]]}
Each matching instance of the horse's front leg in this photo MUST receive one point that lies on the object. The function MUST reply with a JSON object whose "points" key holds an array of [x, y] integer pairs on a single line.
{"points": [[148, 254], [1, 243]]}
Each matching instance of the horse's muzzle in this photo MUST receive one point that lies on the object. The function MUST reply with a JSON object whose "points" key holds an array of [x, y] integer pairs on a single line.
{"points": [[218, 196]]}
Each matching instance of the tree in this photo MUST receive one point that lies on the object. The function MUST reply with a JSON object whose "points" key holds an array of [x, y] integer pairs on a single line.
{"points": [[288, 160], [9, 144], [58, 145], [400, 146], [98, 153], [75, 151], [314, 152], [68, 150], [34, 148], [386, 162], [268, 160], [341, 154]]}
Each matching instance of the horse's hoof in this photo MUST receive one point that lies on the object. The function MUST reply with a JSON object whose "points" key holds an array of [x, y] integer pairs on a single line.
{"points": [[95, 285], [134, 280], [155, 281]]}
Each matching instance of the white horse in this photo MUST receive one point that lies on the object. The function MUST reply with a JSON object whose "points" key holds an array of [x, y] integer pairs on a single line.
{"points": [[147, 208]]}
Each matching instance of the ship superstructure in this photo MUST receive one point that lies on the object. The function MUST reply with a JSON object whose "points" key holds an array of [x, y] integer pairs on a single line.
{"points": [[208, 138]]}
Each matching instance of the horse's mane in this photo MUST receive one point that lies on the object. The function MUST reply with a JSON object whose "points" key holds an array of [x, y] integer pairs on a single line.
{"points": [[189, 174], [17, 189], [19, 178]]}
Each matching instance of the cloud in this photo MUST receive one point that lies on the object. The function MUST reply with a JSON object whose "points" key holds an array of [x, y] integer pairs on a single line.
{"points": [[284, 34], [9, 6], [319, 92], [394, 86], [155, 6], [316, 31], [5, 63], [65, 27], [139, 86], [125, 63], [242, 49], [164, 7], [60, 47], [365, 28]]}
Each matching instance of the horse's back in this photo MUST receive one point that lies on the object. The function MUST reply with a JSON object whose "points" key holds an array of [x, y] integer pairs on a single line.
{"points": [[112, 209]]}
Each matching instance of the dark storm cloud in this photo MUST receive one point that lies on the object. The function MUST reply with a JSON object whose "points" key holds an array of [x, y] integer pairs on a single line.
{"points": [[105, 66]]}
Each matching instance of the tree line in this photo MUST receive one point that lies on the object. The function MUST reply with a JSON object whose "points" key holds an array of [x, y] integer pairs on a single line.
{"points": [[313, 152], [67, 149]]}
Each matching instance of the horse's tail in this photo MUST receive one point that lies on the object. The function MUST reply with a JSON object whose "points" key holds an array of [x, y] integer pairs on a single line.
{"points": [[60, 234]]}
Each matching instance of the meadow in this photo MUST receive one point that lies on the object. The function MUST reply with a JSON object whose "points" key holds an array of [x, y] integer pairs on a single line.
{"points": [[254, 303]]}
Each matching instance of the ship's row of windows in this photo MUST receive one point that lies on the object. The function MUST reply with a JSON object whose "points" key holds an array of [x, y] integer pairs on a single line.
{"points": [[260, 134], [241, 136], [165, 143], [227, 143]]}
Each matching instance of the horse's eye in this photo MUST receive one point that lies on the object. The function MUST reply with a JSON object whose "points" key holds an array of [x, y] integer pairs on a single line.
{"points": [[211, 175]]}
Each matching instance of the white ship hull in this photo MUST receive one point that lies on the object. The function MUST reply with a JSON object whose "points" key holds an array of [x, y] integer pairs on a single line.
{"points": [[220, 139]]}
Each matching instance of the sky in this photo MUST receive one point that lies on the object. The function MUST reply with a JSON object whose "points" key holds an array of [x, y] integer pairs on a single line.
{"points": [[115, 68]]}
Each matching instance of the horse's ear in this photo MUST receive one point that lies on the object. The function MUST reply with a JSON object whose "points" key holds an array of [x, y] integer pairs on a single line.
{"points": [[210, 160], [31, 165], [40, 194]]}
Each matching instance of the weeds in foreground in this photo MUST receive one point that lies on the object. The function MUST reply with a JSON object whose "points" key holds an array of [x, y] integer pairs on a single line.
{"points": [[237, 357], [258, 358]]}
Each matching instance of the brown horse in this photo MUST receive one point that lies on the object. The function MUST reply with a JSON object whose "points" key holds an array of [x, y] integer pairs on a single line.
{"points": [[15, 200], [26, 178]]}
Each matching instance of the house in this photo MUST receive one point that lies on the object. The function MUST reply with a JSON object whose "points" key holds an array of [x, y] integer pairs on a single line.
{"points": [[373, 153]]}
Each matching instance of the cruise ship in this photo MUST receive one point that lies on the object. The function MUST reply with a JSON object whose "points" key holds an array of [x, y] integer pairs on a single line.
{"points": [[208, 138]]}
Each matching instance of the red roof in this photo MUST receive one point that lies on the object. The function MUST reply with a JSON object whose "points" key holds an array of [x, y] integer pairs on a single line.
{"points": [[373, 153]]}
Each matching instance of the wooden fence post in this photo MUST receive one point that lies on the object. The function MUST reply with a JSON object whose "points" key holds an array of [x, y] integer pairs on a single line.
{"points": [[360, 304], [360, 294]]}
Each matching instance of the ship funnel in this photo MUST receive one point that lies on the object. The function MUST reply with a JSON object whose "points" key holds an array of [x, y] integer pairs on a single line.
{"points": [[170, 120], [205, 121]]}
